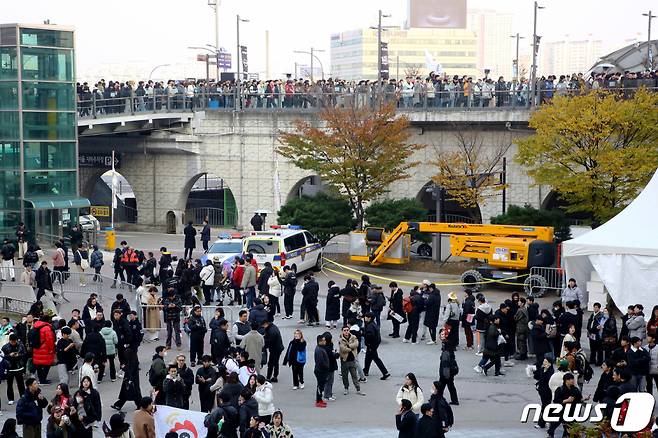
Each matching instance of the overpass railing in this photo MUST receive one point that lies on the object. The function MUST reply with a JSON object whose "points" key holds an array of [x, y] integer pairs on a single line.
{"points": [[249, 100]]}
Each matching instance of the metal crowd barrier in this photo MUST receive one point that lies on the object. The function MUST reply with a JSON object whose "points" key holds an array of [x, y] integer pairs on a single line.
{"points": [[85, 283], [542, 280]]}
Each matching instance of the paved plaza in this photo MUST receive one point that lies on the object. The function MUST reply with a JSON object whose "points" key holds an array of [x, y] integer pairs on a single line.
{"points": [[490, 405]]}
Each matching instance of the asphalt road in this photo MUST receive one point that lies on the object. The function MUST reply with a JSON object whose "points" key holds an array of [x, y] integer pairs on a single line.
{"points": [[490, 406]]}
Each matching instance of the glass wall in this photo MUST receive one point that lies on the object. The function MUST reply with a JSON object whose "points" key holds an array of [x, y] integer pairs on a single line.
{"points": [[37, 122]]}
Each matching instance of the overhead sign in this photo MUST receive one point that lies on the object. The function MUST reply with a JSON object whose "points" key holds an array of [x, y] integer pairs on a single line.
{"points": [[99, 210], [202, 58], [224, 60], [384, 61], [100, 160], [243, 58]]}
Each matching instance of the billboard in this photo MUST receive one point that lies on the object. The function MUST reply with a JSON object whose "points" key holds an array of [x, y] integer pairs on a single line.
{"points": [[448, 14]]}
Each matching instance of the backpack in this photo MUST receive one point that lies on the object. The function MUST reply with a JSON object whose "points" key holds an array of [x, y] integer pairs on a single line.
{"points": [[407, 305], [583, 367], [34, 337]]}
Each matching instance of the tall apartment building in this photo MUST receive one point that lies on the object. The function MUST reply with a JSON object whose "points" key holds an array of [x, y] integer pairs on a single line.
{"points": [[568, 56], [354, 53], [495, 49]]}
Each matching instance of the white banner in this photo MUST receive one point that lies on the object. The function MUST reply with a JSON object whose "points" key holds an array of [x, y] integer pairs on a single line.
{"points": [[187, 424]]}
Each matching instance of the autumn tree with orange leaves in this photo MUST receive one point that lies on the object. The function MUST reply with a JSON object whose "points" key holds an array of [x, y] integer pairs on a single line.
{"points": [[357, 151]]}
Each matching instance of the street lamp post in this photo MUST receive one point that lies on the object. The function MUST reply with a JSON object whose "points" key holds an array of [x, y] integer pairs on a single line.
{"points": [[216, 4], [535, 43], [516, 59], [649, 52], [313, 56], [157, 67], [239, 78]]}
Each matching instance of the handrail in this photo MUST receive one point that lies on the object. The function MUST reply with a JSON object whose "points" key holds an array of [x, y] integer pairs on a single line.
{"points": [[422, 99]]}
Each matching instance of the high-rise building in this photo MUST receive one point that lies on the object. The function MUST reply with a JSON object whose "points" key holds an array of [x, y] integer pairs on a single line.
{"points": [[495, 49], [38, 129], [568, 56], [354, 53]]}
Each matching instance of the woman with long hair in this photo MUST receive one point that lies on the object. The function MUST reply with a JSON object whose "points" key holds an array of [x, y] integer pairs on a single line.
{"points": [[412, 392], [296, 358], [9, 429], [87, 402], [652, 325], [62, 398]]}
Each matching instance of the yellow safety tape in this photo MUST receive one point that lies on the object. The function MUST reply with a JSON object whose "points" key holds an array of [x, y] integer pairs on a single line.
{"points": [[412, 283]]}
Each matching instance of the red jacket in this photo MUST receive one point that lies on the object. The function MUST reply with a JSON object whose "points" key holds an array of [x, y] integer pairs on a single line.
{"points": [[238, 272], [45, 354]]}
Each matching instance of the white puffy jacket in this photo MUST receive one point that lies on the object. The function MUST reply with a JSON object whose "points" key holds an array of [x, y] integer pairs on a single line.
{"points": [[207, 274], [265, 398], [275, 285]]}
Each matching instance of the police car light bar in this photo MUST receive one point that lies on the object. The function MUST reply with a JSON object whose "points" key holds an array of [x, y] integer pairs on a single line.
{"points": [[286, 227]]}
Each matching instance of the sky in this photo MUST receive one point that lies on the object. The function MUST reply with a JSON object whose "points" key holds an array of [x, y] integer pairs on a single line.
{"points": [[132, 37]]}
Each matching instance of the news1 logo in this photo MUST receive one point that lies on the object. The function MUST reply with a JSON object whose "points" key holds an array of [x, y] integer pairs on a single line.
{"points": [[632, 412]]}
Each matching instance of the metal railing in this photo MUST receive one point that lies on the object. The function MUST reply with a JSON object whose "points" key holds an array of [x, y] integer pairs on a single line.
{"points": [[90, 237], [453, 218], [208, 312], [217, 217], [542, 280], [14, 305], [86, 283], [423, 99]]}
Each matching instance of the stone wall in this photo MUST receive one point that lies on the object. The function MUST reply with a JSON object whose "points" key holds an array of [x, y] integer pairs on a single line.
{"points": [[240, 148]]}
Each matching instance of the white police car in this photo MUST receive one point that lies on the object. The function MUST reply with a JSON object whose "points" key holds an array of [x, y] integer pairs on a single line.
{"points": [[283, 245], [227, 247]]}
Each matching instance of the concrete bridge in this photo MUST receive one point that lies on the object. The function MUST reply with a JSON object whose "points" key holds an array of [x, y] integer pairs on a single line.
{"points": [[163, 154]]}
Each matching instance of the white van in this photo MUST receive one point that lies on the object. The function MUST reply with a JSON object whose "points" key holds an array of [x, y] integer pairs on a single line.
{"points": [[283, 245]]}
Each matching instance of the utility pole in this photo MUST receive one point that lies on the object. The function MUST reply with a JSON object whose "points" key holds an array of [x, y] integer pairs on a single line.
{"points": [[649, 51], [379, 47], [516, 58], [239, 51], [311, 64], [535, 44]]}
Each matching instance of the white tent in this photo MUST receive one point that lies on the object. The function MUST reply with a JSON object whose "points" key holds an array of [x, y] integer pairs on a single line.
{"points": [[623, 252]]}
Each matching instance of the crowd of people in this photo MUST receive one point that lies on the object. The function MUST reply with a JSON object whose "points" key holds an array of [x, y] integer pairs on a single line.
{"points": [[236, 379], [431, 91]]}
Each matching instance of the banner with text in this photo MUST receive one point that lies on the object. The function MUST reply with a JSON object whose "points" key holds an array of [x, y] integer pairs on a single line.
{"points": [[243, 58], [384, 61], [186, 424]]}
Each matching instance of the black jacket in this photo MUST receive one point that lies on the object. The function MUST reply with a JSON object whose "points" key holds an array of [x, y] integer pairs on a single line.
{"points": [[122, 329], [94, 343], [273, 341], [263, 277], [371, 335], [406, 424], [426, 428], [432, 310], [43, 278], [197, 326], [541, 343], [639, 361], [29, 409], [543, 376], [174, 391], [190, 233], [188, 379], [294, 347], [605, 380], [219, 344], [332, 311], [15, 362], [204, 388], [310, 293], [205, 233]]}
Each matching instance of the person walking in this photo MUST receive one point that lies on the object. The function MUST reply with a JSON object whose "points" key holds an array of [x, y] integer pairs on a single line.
{"points": [[543, 376], [441, 411], [29, 409], [411, 391], [111, 340], [483, 315], [450, 317], [296, 358], [274, 346], [190, 240], [348, 345], [332, 308], [494, 344], [207, 276], [42, 341], [7, 251], [205, 235], [321, 369], [448, 369], [96, 262], [157, 373], [130, 388], [521, 319], [16, 355], [372, 339]]}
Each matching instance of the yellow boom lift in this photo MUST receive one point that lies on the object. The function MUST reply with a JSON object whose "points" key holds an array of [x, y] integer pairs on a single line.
{"points": [[508, 251]]}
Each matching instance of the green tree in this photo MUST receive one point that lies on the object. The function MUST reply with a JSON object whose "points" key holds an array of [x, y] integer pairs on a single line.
{"points": [[323, 215], [357, 151], [596, 150], [390, 212], [528, 215]]}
